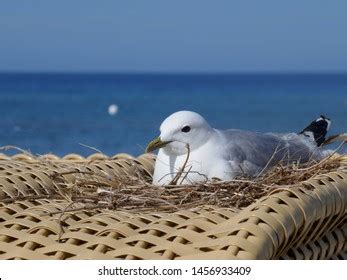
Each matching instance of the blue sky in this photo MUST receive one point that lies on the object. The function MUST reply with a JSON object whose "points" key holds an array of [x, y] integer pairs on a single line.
{"points": [[173, 36]]}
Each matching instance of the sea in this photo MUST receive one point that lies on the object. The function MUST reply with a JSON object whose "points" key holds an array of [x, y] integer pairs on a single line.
{"points": [[64, 113]]}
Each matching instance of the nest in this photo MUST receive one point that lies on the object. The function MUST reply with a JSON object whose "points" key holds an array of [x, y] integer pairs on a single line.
{"points": [[136, 193]]}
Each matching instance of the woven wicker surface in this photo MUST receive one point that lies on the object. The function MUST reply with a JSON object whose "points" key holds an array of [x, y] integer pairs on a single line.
{"points": [[304, 222]]}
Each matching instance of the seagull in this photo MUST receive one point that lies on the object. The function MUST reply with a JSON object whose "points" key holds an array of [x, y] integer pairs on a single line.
{"points": [[191, 151]]}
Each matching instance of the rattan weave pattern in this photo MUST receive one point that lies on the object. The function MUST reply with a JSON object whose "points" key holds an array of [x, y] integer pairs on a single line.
{"points": [[26, 176], [304, 222]]}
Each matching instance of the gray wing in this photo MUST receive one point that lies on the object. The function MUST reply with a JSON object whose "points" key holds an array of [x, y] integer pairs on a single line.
{"points": [[252, 151]]}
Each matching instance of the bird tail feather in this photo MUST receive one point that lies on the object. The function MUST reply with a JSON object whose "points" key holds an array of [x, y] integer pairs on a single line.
{"points": [[317, 130]]}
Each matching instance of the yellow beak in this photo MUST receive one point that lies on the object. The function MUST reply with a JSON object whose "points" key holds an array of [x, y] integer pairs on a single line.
{"points": [[156, 144]]}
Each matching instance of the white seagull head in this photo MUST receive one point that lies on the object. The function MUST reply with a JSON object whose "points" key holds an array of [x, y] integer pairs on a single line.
{"points": [[179, 130]]}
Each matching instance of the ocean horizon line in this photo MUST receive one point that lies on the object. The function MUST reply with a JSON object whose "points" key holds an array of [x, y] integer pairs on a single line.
{"points": [[176, 73]]}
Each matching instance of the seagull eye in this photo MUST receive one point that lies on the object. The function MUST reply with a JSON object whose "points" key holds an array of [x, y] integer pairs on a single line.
{"points": [[185, 129]]}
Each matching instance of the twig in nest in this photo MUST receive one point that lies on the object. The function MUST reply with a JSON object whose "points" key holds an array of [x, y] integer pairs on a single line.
{"points": [[277, 150], [20, 197], [61, 222], [92, 148], [179, 173], [76, 171], [9, 147], [185, 176], [84, 208], [185, 172]]}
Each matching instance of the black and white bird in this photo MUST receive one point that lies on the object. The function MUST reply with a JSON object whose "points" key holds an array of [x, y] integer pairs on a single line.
{"points": [[187, 140]]}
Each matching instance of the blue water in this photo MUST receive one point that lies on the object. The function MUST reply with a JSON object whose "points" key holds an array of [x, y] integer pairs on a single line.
{"points": [[56, 112]]}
